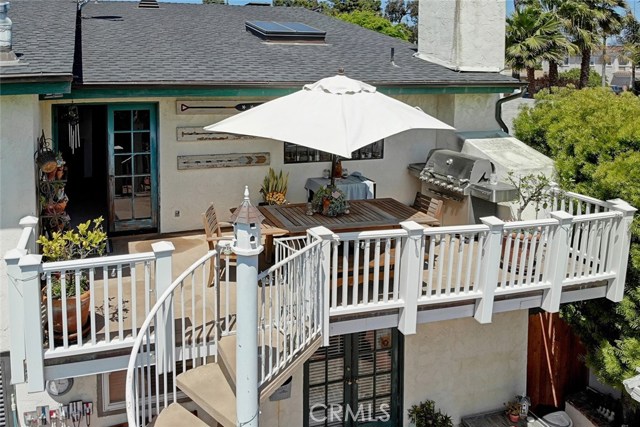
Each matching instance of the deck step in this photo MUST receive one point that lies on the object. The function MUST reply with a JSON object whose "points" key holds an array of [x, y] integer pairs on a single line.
{"points": [[176, 415], [227, 361], [208, 387]]}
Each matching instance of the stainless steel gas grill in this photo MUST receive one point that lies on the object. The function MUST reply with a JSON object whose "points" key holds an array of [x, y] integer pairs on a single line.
{"points": [[464, 183]]}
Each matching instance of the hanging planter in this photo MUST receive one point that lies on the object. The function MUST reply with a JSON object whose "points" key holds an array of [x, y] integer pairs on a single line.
{"points": [[45, 157]]}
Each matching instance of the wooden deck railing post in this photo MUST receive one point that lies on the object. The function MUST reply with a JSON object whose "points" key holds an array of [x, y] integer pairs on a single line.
{"points": [[559, 253], [410, 276], [621, 244], [164, 319], [490, 267], [31, 267], [16, 300], [327, 237], [16, 304]]}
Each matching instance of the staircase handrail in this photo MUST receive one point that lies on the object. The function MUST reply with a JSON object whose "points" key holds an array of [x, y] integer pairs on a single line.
{"points": [[129, 386]]}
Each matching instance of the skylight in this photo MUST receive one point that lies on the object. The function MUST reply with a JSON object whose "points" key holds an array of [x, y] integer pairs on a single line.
{"points": [[285, 31]]}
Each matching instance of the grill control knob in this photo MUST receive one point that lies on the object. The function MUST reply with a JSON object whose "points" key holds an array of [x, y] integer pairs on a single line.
{"points": [[459, 190], [430, 180], [449, 187]]}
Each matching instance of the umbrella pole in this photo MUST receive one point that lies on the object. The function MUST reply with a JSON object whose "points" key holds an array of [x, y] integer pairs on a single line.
{"points": [[333, 170]]}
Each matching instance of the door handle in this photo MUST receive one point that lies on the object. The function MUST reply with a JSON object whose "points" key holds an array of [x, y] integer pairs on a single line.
{"points": [[351, 382]]}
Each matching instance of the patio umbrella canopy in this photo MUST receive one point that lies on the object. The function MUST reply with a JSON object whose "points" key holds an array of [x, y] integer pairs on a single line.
{"points": [[337, 115]]}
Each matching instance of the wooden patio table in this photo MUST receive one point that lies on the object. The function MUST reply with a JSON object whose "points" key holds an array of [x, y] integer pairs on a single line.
{"points": [[373, 214]]}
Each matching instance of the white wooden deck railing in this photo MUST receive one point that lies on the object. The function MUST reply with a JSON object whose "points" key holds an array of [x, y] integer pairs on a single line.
{"points": [[290, 309], [358, 273]]}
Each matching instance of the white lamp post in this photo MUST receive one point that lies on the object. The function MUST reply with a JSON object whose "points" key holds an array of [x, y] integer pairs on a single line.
{"points": [[246, 245]]}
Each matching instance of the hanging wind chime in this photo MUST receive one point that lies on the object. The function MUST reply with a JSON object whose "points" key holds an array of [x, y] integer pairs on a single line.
{"points": [[73, 119]]}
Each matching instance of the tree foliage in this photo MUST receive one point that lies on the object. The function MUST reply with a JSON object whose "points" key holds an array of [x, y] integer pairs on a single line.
{"points": [[593, 136], [368, 14], [573, 77], [532, 36], [375, 22]]}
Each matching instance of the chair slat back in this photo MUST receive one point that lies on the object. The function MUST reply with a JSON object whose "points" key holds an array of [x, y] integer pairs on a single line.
{"points": [[429, 205], [210, 222]]}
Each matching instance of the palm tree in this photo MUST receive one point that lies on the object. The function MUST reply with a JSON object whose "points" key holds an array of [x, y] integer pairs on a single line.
{"points": [[587, 22], [630, 41], [562, 45], [532, 36]]}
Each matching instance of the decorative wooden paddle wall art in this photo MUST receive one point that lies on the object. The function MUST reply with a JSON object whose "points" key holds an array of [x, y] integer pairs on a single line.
{"points": [[206, 161], [215, 107], [198, 134]]}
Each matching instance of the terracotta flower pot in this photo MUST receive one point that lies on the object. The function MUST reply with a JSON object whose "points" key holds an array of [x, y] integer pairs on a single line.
{"points": [[71, 313], [514, 418]]}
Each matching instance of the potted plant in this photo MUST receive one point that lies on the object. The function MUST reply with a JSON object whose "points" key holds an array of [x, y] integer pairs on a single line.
{"points": [[88, 239], [330, 201], [274, 188], [533, 189], [425, 414], [513, 411]]}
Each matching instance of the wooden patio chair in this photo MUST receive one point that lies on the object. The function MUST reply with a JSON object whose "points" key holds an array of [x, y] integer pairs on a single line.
{"points": [[214, 234], [428, 205]]}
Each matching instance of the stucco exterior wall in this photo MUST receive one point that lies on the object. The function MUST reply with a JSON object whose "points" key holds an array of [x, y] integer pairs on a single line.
{"points": [[466, 35], [190, 191], [19, 127], [466, 367]]}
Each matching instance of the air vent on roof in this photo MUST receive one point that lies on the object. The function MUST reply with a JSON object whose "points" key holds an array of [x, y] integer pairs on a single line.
{"points": [[148, 4], [285, 31]]}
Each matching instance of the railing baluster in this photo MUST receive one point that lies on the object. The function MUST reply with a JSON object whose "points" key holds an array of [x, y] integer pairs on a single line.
{"points": [[334, 275], [356, 271], [450, 257], [65, 328], [365, 273], [471, 252], [376, 272], [524, 254], [431, 264], [507, 242], [120, 310], [134, 299], [387, 260], [50, 312], [78, 302], [442, 262], [459, 262], [105, 303]]}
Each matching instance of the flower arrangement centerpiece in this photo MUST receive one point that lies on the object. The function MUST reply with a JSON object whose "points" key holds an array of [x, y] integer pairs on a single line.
{"points": [[330, 201], [274, 188]]}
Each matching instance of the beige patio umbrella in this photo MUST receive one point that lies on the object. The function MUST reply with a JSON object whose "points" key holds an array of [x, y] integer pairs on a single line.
{"points": [[337, 115]]}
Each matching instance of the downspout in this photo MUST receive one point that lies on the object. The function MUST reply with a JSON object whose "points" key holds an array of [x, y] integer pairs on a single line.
{"points": [[498, 111]]}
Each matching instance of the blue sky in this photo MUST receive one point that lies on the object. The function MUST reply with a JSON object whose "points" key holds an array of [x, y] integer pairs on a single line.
{"points": [[633, 4]]}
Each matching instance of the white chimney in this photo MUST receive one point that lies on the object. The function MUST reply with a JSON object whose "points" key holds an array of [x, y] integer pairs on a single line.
{"points": [[464, 35], [6, 53]]}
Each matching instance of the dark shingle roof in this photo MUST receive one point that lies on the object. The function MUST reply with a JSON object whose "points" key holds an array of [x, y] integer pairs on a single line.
{"points": [[43, 38], [208, 45]]}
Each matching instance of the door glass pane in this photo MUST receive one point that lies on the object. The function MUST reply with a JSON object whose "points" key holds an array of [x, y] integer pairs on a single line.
{"points": [[122, 164], [335, 370], [142, 207], [365, 388], [122, 120], [141, 120], [123, 208], [123, 187], [122, 143], [143, 164], [383, 408], [141, 142], [143, 185], [383, 361]]}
